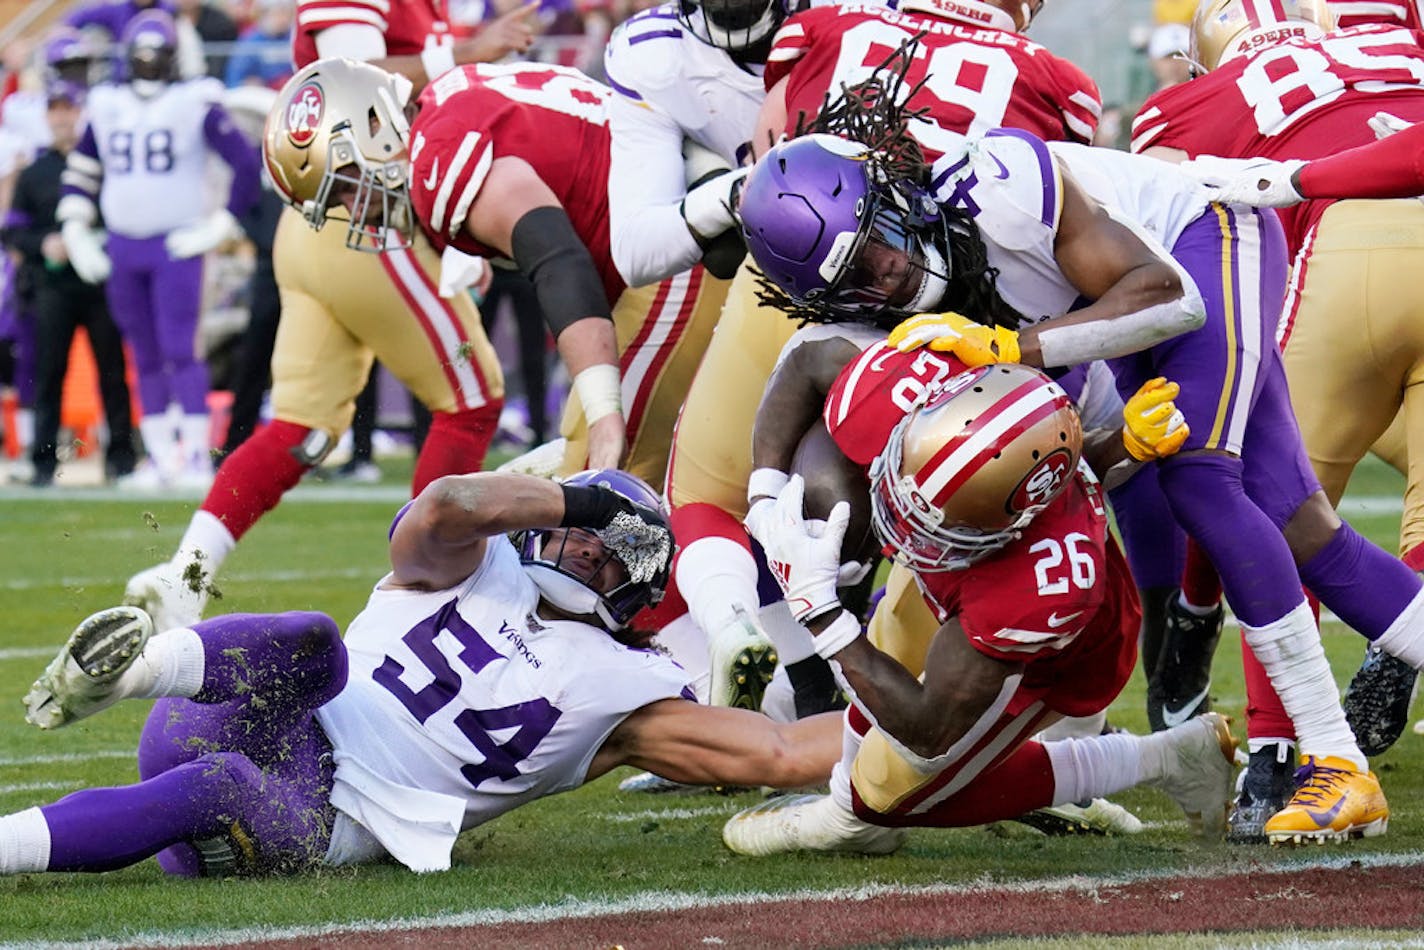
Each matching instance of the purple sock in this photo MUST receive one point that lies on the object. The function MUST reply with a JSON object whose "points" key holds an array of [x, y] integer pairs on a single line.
{"points": [[1364, 585], [272, 824], [1257, 570]]}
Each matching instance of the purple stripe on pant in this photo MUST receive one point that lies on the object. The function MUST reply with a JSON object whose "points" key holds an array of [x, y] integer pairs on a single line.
{"points": [[244, 761]]}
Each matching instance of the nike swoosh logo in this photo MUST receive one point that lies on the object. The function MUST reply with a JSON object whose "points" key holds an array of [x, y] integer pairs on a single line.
{"points": [[1324, 818], [1055, 621], [1175, 717], [1003, 169], [434, 178]]}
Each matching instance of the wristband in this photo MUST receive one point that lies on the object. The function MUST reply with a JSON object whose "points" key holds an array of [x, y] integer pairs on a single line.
{"points": [[588, 506], [840, 634], [437, 58], [600, 391], [766, 482]]}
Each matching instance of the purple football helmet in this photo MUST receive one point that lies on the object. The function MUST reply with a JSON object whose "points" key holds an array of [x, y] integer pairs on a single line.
{"points": [[68, 61], [825, 225], [568, 592], [150, 44]]}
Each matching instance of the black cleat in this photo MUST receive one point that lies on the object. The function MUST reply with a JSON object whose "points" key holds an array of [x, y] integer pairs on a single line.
{"points": [[1267, 783], [1180, 687], [1377, 700]]}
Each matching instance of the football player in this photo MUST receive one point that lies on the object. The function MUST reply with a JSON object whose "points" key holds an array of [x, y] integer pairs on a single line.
{"points": [[141, 162], [1346, 254], [484, 673], [341, 310], [984, 73], [1019, 232], [977, 493]]}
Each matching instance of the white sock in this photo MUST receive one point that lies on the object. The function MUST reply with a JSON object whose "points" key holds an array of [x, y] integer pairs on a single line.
{"points": [[1290, 651], [792, 641], [1405, 637], [1075, 727], [206, 541], [1256, 745], [195, 432], [1101, 765], [687, 645], [24, 842], [1192, 608], [716, 575], [840, 775], [171, 664], [25, 427], [160, 441]]}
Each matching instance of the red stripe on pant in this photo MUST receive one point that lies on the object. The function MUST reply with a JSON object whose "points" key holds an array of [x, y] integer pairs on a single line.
{"points": [[1019, 783]]}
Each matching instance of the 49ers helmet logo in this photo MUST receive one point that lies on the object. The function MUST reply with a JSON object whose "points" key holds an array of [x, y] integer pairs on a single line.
{"points": [[304, 113], [1042, 484]]}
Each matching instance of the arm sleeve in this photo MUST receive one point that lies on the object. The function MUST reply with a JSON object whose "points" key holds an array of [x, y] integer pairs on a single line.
{"points": [[83, 172], [646, 185], [1393, 167], [223, 137], [363, 40], [1082, 103]]}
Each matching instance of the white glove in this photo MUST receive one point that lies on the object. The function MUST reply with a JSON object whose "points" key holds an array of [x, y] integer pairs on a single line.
{"points": [[699, 161], [709, 208], [195, 240], [85, 247], [460, 271], [1260, 182], [1383, 125], [805, 561]]}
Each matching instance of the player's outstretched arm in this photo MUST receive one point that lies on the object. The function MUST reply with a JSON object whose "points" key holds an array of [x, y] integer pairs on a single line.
{"points": [[1140, 298], [714, 745]]}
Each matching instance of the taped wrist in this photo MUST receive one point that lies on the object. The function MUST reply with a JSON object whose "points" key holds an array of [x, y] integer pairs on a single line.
{"points": [[589, 506], [550, 253], [840, 634]]}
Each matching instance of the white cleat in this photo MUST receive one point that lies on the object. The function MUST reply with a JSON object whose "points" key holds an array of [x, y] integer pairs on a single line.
{"points": [[174, 597], [1098, 817], [805, 823], [647, 783], [542, 461], [81, 680], [1199, 764], [742, 662]]}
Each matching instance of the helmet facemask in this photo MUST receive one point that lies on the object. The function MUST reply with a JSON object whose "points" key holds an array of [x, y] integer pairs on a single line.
{"points": [[731, 25], [379, 214]]}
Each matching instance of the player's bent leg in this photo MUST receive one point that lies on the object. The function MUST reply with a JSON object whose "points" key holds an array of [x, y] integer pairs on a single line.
{"points": [[456, 444]]}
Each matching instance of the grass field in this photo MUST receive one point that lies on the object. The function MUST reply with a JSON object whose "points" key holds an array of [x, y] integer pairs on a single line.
{"points": [[64, 555]]}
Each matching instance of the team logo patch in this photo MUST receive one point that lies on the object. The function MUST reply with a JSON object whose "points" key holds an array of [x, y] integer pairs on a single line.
{"points": [[1043, 482], [304, 114]]}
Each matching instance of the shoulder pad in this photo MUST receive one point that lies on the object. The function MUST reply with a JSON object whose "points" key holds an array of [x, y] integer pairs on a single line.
{"points": [[1009, 181]]}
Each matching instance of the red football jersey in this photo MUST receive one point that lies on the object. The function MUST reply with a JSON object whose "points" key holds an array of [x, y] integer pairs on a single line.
{"points": [[978, 78], [1300, 99], [1350, 13], [409, 25], [875, 390], [550, 116]]}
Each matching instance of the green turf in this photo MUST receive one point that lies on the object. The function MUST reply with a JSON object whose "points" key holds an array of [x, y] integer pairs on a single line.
{"points": [[61, 559]]}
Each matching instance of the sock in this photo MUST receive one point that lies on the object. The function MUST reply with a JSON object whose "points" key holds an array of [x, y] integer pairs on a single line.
{"points": [[1256, 744], [1364, 585], [716, 575], [24, 842], [1201, 585], [1265, 715], [684, 640], [206, 541], [251, 481], [1075, 727], [456, 444], [857, 724], [1098, 766], [171, 664], [160, 442], [792, 641], [1289, 649], [1403, 638], [1194, 609], [195, 431]]}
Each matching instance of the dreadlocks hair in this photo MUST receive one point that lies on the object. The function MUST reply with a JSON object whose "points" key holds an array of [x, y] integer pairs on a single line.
{"points": [[877, 114]]}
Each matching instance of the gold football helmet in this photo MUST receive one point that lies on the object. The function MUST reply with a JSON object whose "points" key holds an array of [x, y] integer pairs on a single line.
{"points": [[1021, 11], [967, 469], [1225, 29], [337, 139]]}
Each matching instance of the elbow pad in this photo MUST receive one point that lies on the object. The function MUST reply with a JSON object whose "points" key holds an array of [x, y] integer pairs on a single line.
{"points": [[550, 253]]}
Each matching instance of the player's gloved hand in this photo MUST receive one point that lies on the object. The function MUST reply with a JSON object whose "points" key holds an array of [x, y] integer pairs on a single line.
{"points": [[85, 247], [635, 534], [804, 557], [710, 205], [1260, 182], [194, 240], [1152, 425], [949, 332], [460, 271], [1383, 124]]}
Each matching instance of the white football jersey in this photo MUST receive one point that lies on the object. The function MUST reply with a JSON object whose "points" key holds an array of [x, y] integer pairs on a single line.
{"points": [[461, 705], [1010, 182], [154, 155]]}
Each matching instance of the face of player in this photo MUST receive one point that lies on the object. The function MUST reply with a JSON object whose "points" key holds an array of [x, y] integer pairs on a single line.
{"points": [[584, 556], [63, 117]]}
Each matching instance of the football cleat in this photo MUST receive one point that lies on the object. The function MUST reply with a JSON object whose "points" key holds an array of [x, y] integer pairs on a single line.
{"points": [[1179, 688], [1377, 701], [82, 679], [1198, 775], [1264, 787], [805, 823], [542, 461], [174, 597], [1097, 816], [1333, 801], [648, 783], [742, 663]]}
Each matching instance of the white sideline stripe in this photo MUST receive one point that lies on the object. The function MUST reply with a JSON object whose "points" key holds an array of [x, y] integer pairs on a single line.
{"points": [[68, 757], [674, 814], [36, 787], [664, 901], [328, 494], [340, 573], [27, 653]]}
